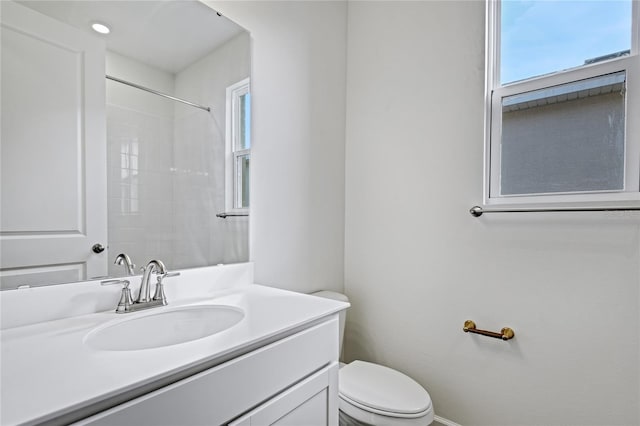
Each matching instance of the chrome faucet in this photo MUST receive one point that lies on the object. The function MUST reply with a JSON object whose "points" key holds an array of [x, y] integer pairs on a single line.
{"points": [[123, 259], [144, 295], [144, 300]]}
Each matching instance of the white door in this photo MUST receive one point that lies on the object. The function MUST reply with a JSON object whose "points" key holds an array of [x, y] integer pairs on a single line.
{"points": [[53, 151]]}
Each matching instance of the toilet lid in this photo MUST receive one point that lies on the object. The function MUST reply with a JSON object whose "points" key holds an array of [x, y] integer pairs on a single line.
{"points": [[382, 388]]}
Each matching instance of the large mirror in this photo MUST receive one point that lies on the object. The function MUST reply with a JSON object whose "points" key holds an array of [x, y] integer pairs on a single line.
{"points": [[136, 141]]}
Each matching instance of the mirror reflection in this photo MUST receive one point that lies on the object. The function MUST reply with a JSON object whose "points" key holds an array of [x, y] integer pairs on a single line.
{"points": [[137, 141]]}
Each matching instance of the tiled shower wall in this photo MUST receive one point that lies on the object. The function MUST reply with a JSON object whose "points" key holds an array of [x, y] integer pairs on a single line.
{"points": [[139, 161]]}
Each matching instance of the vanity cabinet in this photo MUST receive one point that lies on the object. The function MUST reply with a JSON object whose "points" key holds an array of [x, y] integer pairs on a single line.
{"points": [[291, 381]]}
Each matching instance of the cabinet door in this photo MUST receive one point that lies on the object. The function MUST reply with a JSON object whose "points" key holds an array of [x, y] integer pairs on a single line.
{"points": [[312, 402]]}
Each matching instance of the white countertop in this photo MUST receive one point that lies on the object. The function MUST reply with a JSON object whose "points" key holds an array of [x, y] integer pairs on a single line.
{"points": [[48, 371]]}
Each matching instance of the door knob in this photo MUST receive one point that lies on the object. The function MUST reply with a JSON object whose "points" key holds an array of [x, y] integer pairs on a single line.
{"points": [[97, 248]]}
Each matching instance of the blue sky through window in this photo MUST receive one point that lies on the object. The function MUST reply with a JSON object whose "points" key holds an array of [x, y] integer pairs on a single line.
{"points": [[543, 36]]}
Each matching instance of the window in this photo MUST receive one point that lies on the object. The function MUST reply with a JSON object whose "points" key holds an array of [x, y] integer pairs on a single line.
{"points": [[562, 92], [238, 151]]}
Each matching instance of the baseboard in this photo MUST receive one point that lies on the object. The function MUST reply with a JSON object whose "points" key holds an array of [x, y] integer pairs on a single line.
{"points": [[444, 422]]}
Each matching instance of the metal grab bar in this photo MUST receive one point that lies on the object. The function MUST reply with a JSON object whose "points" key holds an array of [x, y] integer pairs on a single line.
{"points": [[477, 211], [505, 334], [226, 215]]}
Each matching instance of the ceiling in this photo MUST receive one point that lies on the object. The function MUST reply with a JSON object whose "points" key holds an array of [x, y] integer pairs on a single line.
{"points": [[166, 34]]}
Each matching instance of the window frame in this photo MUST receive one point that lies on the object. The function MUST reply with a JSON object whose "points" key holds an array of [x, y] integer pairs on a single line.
{"points": [[495, 92], [233, 175]]}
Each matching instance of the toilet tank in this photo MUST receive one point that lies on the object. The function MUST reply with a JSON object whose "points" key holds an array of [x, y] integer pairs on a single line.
{"points": [[342, 316]]}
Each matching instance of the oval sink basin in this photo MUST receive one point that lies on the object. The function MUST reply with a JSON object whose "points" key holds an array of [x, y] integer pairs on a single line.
{"points": [[165, 328]]}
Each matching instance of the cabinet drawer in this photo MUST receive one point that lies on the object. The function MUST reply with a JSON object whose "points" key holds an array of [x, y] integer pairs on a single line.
{"points": [[312, 402], [224, 392]]}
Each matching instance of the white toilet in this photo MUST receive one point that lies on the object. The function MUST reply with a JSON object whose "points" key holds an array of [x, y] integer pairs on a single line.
{"points": [[376, 395]]}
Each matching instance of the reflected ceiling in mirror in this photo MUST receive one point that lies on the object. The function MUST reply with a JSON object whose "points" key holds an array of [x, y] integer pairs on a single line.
{"points": [[168, 172], [168, 35]]}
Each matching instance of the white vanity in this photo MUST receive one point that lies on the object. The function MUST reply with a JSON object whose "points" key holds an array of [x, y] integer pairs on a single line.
{"points": [[272, 360]]}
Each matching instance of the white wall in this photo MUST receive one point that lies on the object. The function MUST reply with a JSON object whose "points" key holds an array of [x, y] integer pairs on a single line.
{"points": [[297, 182], [418, 265]]}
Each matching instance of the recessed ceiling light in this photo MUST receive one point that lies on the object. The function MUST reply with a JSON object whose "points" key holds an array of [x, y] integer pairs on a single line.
{"points": [[100, 28]]}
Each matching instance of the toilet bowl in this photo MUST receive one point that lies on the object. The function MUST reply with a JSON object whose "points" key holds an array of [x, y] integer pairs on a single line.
{"points": [[377, 395], [373, 394]]}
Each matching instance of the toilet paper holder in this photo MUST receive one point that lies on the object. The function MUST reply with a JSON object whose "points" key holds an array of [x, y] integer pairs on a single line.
{"points": [[505, 334]]}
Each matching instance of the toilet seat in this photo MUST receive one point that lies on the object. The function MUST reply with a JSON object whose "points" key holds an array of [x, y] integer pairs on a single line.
{"points": [[382, 412], [375, 394], [352, 415]]}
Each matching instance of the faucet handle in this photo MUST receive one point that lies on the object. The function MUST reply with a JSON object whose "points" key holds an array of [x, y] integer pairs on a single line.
{"points": [[169, 275], [159, 294], [125, 302], [116, 281]]}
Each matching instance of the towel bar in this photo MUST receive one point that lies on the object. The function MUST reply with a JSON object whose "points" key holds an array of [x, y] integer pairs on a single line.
{"points": [[505, 334], [477, 211], [226, 215]]}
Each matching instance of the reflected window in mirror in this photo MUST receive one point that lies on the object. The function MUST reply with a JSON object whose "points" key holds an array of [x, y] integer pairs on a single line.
{"points": [[238, 145]]}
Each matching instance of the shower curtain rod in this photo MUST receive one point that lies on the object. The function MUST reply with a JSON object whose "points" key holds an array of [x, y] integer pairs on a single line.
{"points": [[155, 92]]}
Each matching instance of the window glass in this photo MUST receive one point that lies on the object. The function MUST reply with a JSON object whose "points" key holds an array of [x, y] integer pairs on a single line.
{"points": [[245, 122], [245, 181], [567, 138], [242, 181], [545, 36]]}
